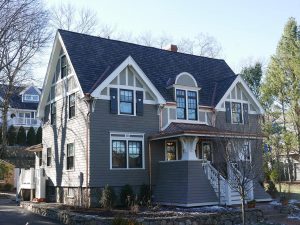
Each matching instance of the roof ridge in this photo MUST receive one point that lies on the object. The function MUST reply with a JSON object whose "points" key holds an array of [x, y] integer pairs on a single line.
{"points": [[130, 43]]}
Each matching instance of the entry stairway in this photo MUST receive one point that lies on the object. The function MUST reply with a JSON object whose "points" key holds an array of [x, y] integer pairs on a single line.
{"points": [[226, 190]]}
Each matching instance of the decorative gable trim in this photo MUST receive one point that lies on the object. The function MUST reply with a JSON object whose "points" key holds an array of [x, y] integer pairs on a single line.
{"points": [[240, 80], [129, 61], [49, 74]]}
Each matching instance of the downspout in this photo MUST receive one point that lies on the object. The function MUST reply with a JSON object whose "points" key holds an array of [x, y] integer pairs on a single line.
{"points": [[150, 166], [89, 101]]}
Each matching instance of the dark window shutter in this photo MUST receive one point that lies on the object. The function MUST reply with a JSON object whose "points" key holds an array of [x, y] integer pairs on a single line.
{"points": [[246, 114], [228, 112], [113, 100], [139, 103]]}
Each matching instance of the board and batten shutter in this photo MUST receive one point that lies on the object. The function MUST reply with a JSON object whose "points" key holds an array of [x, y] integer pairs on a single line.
{"points": [[139, 103], [113, 100], [228, 112], [245, 113]]}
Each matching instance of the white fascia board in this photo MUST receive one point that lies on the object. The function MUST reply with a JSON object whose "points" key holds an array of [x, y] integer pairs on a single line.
{"points": [[239, 79], [46, 83], [48, 79], [129, 61]]}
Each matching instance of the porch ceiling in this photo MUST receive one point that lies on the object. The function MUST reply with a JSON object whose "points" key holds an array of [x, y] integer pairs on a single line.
{"points": [[202, 130]]}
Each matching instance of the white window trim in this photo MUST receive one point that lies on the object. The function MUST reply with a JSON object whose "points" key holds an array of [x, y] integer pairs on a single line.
{"points": [[171, 140], [66, 149], [126, 136], [211, 149], [186, 104], [186, 74], [31, 98], [134, 102], [51, 156], [74, 106], [242, 112], [246, 142]]}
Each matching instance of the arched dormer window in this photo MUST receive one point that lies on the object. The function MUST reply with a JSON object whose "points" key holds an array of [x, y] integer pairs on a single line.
{"points": [[186, 79], [186, 96]]}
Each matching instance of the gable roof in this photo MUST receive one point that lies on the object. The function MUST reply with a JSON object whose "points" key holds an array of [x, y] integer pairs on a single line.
{"points": [[16, 99], [95, 58]]}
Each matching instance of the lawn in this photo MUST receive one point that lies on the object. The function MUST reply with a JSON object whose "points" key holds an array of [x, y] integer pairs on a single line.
{"points": [[291, 189]]}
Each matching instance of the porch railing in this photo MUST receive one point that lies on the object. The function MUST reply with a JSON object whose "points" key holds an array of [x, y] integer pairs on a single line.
{"points": [[25, 121], [218, 183]]}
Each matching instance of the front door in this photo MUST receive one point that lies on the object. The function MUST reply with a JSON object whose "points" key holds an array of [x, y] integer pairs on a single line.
{"points": [[204, 150]]}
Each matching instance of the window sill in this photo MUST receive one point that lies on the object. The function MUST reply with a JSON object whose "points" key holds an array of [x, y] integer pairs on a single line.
{"points": [[127, 169], [70, 170], [71, 197], [73, 118]]}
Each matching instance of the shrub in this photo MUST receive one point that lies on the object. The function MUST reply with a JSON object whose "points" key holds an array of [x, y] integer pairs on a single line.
{"points": [[38, 136], [126, 195], [21, 136], [122, 221], [271, 189], [31, 136], [11, 135], [274, 176], [7, 187], [108, 197], [145, 194]]}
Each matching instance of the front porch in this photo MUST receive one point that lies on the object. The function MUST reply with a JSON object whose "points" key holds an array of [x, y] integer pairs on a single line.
{"points": [[192, 171]]}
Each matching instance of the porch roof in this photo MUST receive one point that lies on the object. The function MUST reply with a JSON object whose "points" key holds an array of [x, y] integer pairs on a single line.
{"points": [[35, 148], [187, 129]]}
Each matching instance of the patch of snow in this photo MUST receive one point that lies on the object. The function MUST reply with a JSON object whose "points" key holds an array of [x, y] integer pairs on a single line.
{"points": [[294, 217], [275, 203], [294, 201]]}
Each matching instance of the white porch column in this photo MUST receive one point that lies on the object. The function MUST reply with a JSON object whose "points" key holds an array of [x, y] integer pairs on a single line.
{"points": [[189, 147]]}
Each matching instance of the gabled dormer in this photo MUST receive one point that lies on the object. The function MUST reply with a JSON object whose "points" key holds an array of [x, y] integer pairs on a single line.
{"points": [[31, 94]]}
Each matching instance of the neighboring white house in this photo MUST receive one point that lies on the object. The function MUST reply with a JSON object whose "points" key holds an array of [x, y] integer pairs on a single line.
{"points": [[23, 107]]}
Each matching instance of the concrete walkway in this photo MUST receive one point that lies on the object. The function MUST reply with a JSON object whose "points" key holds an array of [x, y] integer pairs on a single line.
{"points": [[11, 214]]}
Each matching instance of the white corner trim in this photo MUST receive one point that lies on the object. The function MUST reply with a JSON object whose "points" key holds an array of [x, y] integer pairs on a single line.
{"points": [[129, 61], [239, 79], [186, 73]]}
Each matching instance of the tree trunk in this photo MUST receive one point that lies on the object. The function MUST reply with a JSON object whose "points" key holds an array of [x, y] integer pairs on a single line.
{"points": [[4, 129], [243, 211]]}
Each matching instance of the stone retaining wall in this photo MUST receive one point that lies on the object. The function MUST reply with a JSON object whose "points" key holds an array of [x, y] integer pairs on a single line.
{"points": [[66, 217]]}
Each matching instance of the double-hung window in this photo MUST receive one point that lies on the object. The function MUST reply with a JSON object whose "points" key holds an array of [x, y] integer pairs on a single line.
{"points": [[127, 151], [63, 66], [181, 104], [49, 158], [192, 105], [40, 158], [237, 112], [53, 113], [71, 106], [186, 102], [70, 156], [126, 102]]}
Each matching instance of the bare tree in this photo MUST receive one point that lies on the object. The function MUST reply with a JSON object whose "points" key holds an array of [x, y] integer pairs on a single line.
{"points": [[24, 31], [202, 45]]}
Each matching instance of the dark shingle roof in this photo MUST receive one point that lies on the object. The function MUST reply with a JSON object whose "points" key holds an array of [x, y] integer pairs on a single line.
{"points": [[95, 58], [198, 129]]}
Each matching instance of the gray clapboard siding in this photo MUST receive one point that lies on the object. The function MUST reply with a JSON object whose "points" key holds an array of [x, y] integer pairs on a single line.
{"points": [[253, 126], [102, 123], [183, 182]]}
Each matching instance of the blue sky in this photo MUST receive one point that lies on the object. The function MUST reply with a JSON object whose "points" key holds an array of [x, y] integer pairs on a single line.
{"points": [[245, 29]]}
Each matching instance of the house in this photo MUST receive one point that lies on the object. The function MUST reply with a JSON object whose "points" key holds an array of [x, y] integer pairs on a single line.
{"points": [[118, 113], [23, 106]]}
